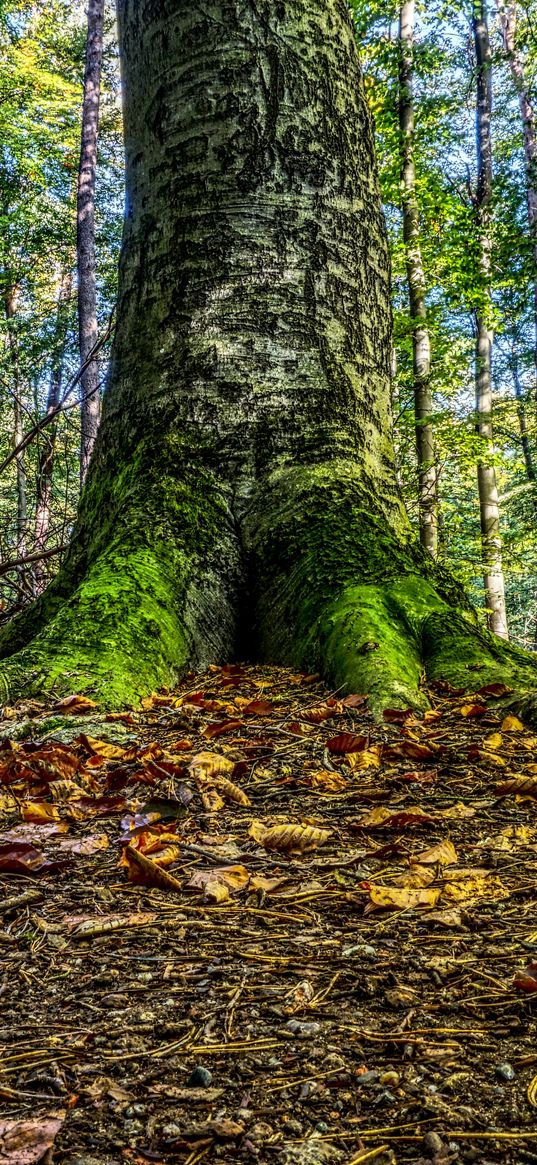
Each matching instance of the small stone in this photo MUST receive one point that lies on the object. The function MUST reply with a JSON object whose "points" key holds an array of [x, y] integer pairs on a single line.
{"points": [[199, 1078], [115, 1000], [321, 1127], [433, 1143], [505, 1072], [368, 1078], [171, 1130], [390, 1078], [305, 1031]]}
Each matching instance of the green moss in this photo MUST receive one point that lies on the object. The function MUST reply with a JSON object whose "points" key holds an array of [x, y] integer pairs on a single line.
{"points": [[458, 650]]}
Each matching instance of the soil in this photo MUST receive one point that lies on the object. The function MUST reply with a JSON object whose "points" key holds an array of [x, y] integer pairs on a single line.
{"points": [[357, 985]]}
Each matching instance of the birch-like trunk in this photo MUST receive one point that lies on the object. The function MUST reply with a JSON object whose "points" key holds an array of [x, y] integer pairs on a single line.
{"points": [[507, 13], [46, 457], [486, 474], [421, 347], [86, 260], [242, 498]]}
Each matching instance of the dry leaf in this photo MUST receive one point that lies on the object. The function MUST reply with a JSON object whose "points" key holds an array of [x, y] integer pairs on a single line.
{"points": [[321, 712], [457, 812], [39, 811], [381, 818], [473, 711], [74, 705], [443, 853], [221, 727], [407, 898], [27, 1142], [328, 781], [370, 758], [231, 791], [82, 927], [289, 838], [208, 765], [522, 786], [145, 872], [468, 885], [512, 724], [346, 742], [219, 882]]}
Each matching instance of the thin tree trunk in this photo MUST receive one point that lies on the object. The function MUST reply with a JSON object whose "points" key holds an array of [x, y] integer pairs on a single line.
{"points": [[521, 413], [87, 290], [421, 348], [46, 457], [11, 303], [507, 14], [486, 473]]}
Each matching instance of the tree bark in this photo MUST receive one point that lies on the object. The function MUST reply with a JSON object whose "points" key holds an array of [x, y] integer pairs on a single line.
{"points": [[87, 285], [46, 455], [421, 346], [507, 14], [486, 474], [11, 304], [242, 498]]}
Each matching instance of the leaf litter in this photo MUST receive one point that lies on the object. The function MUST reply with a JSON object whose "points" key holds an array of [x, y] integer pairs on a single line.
{"points": [[236, 926]]}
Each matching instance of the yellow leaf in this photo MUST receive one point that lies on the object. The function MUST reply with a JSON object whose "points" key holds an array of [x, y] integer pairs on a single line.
{"points": [[103, 748], [143, 871], [467, 885], [522, 786], [38, 811], [330, 782], [370, 758], [444, 853], [289, 838], [231, 791], [493, 742], [402, 899], [512, 724], [74, 705], [205, 766]]}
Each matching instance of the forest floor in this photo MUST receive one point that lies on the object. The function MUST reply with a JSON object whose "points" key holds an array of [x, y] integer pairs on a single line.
{"points": [[248, 924]]}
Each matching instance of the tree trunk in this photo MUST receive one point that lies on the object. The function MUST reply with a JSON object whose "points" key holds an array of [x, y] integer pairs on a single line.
{"points": [[242, 499], [87, 288], [11, 303], [421, 347], [486, 474], [46, 455], [507, 14]]}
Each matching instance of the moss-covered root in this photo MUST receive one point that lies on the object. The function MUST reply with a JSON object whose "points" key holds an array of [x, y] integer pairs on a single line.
{"points": [[116, 637]]}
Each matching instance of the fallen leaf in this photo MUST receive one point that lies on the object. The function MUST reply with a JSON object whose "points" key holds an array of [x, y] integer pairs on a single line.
{"points": [[346, 742], [473, 711], [218, 882], [494, 690], [443, 854], [512, 724], [146, 872], [328, 781], [472, 885], [83, 845], [407, 898], [208, 765], [383, 818], [221, 727], [27, 1142], [397, 715], [321, 712], [196, 1095], [101, 747], [409, 750], [39, 812], [73, 705], [231, 791], [370, 758], [82, 926], [419, 777], [354, 701], [256, 708], [457, 812], [289, 838], [521, 786]]}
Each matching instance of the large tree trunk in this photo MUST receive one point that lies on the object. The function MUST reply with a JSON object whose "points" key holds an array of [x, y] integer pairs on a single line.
{"points": [[489, 509], [421, 346], [11, 304], [85, 218], [242, 500]]}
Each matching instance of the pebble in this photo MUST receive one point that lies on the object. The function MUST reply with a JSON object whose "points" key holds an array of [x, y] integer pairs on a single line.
{"points": [[199, 1078], [306, 1031], [321, 1127], [115, 1000], [368, 1078], [505, 1072], [433, 1143], [390, 1078]]}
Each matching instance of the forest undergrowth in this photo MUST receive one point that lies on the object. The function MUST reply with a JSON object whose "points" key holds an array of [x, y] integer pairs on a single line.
{"points": [[248, 923]]}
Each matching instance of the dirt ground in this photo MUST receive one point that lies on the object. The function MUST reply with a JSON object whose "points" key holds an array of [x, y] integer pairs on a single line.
{"points": [[247, 924]]}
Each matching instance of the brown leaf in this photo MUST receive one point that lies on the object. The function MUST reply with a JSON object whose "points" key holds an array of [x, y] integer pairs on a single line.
{"points": [[39, 812], [27, 1142], [221, 727], [354, 701], [522, 786], [218, 882], [20, 857], [196, 1095], [289, 838], [208, 765], [101, 747], [83, 845], [409, 750], [346, 742], [397, 715], [494, 690], [321, 712], [74, 705], [145, 872], [422, 777], [231, 791], [473, 711], [84, 926], [257, 708], [328, 781], [369, 758], [383, 818]]}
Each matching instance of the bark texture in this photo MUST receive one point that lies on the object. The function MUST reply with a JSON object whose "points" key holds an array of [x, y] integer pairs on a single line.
{"points": [[421, 345], [489, 508], [242, 499], [85, 218]]}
